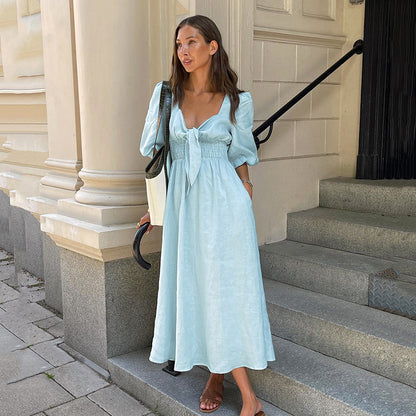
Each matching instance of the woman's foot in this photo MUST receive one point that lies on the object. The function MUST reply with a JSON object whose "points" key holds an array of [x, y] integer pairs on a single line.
{"points": [[211, 397], [251, 406]]}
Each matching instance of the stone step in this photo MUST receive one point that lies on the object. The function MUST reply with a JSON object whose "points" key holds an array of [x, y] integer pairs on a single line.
{"points": [[301, 381], [340, 274], [376, 235], [308, 383], [390, 197], [332, 272], [396, 294], [368, 338], [169, 395]]}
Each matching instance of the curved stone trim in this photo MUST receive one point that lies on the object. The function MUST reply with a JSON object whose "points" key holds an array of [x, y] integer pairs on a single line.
{"points": [[299, 38], [111, 188]]}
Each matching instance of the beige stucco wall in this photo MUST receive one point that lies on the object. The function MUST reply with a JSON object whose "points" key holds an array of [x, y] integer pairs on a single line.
{"points": [[277, 47], [294, 42]]}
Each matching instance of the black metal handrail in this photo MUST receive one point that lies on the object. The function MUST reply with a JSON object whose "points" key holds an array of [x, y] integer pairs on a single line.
{"points": [[357, 49]]}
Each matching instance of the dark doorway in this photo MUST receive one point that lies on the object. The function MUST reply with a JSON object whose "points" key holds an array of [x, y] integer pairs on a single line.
{"points": [[387, 146]]}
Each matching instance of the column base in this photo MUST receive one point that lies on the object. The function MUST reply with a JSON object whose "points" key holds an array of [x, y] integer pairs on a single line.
{"points": [[5, 236], [52, 274], [27, 241], [41, 205], [102, 233], [109, 308], [111, 188]]}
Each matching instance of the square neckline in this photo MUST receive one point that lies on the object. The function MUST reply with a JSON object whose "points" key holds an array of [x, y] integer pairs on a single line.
{"points": [[204, 122]]}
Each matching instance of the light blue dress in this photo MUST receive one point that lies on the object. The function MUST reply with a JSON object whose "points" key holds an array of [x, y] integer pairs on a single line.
{"points": [[211, 308]]}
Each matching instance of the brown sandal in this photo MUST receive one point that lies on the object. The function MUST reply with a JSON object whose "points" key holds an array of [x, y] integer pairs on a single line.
{"points": [[213, 396]]}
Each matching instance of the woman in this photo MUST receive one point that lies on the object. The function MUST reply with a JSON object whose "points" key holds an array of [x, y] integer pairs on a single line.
{"points": [[211, 308]]}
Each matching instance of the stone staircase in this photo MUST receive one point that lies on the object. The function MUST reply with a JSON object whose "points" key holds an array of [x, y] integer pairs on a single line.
{"points": [[331, 288]]}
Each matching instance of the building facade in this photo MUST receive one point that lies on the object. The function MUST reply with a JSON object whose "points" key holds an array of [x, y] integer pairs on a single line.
{"points": [[75, 81]]}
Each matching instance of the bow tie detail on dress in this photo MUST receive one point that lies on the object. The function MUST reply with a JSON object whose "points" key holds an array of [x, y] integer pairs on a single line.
{"points": [[192, 157]]}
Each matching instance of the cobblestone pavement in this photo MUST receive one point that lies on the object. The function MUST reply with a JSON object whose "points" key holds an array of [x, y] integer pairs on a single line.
{"points": [[38, 374]]}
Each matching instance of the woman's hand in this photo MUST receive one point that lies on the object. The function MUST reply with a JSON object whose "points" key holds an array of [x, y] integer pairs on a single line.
{"points": [[242, 172], [249, 189], [144, 219]]}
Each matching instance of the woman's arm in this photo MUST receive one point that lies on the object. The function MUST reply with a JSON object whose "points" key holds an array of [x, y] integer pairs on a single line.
{"points": [[242, 172]]}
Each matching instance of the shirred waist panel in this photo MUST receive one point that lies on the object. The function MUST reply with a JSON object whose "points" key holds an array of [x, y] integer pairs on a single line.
{"points": [[208, 150]]}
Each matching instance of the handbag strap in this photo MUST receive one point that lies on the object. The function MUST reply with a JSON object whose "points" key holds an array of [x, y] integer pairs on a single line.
{"points": [[165, 106]]}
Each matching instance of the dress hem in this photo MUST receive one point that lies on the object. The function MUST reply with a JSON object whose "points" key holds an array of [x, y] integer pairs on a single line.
{"points": [[220, 371]]}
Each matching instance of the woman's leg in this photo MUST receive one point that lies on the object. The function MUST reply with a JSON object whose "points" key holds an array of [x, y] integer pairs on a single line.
{"points": [[251, 404], [214, 388]]}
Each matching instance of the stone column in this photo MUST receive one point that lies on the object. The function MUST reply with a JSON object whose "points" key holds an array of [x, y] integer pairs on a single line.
{"points": [[112, 68], [108, 300], [64, 138], [111, 56]]}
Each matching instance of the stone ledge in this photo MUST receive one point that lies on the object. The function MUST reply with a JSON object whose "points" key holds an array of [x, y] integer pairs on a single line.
{"points": [[101, 214], [104, 243]]}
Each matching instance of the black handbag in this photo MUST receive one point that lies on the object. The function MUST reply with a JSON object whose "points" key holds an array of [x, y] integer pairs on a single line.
{"points": [[157, 170], [156, 174]]}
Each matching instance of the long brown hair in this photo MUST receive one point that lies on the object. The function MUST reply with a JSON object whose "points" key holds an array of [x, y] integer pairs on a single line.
{"points": [[222, 77]]}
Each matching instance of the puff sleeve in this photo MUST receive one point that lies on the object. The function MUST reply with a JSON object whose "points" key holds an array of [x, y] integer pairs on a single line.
{"points": [[150, 126], [242, 147]]}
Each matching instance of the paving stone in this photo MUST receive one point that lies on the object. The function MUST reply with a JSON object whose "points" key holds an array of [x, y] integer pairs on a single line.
{"points": [[7, 271], [21, 364], [57, 330], [118, 403], [31, 395], [52, 353], [77, 407], [27, 279], [22, 311], [78, 379], [28, 332], [83, 359], [12, 282], [7, 293], [8, 341], [7, 363], [48, 322], [32, 294], [5, 255], [7, 260]]}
